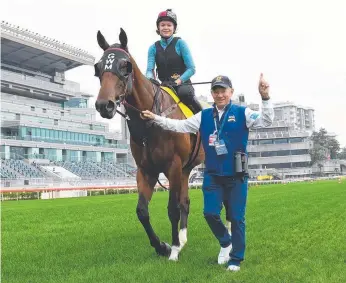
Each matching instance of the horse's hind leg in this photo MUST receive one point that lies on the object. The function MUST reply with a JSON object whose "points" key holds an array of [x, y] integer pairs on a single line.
{"points": [[146, 185], [184, 208]]}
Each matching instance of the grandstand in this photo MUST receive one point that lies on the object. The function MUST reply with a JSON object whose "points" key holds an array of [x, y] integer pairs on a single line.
{"points": [[48, 129]]}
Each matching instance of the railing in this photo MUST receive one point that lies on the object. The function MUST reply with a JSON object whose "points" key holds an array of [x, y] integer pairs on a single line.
{"points": [[54, 191], [30, 183], [35, 83], [40, 83], [65, 141], [54, 158], [22, 100], [272, 135]]}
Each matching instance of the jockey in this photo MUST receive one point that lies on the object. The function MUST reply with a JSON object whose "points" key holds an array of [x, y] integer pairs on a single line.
{"points": [[173, 60]]}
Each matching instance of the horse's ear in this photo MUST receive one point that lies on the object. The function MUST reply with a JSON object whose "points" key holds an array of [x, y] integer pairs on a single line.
{"points": [[123, 38], [102, 41]]}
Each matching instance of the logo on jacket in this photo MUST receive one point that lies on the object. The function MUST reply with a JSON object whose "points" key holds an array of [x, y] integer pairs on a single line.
{"points": [[254, 116], [231, 118]]}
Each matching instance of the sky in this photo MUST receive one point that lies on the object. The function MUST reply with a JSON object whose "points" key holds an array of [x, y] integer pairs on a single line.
{"points": [[299, 45]]}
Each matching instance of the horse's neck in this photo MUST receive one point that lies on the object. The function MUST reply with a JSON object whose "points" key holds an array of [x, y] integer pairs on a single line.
{"points": [[142, 91]]}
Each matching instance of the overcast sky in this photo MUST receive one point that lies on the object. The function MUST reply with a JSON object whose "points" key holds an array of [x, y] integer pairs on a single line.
{"points": [[299, 45]]}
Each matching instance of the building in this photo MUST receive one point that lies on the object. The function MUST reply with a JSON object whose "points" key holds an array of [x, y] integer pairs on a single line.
{"points": [[301, 118], [45, 117], [280, 151]]}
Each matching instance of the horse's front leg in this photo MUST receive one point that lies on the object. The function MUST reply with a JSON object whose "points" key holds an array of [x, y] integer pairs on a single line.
{"points": [[174, 177], [146, 185], [184, 208]]}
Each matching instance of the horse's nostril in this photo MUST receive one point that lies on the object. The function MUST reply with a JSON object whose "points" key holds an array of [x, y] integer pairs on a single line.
{"points": [[110, 106]]}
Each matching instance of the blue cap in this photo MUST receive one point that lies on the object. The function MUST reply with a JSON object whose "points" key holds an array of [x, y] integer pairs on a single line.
{"points": [[221, 81]]}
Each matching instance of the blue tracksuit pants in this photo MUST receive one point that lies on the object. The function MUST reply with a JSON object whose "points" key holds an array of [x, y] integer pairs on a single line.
{"points": [[234, 191]]}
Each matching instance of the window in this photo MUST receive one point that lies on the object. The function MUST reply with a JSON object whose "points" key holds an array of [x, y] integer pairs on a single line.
{"points": [[300, 151], [56, 122], [62, 113], [44, 110], [278, 141], [17, 116], [265, 141], [32, 108], [254, 154], [294, 140]]}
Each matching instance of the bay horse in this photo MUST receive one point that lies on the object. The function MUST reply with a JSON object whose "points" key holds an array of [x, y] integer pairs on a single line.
{"points": [[155, 151]]}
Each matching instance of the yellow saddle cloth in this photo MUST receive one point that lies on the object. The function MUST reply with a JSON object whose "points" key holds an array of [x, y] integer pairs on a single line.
{"points": [[186, 110]]}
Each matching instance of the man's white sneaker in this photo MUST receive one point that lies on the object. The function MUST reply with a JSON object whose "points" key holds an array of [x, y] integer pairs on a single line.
{"points": [[224, 255], [233, 268]]}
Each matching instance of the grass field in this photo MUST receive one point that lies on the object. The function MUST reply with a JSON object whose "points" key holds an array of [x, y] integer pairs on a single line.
{"points": [[295, 233]]}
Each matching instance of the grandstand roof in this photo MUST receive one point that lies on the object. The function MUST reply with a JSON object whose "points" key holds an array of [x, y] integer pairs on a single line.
{"points": [[26, 49]]}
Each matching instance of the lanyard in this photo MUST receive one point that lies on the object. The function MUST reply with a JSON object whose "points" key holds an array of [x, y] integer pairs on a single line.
{"points": [[223, 123]]}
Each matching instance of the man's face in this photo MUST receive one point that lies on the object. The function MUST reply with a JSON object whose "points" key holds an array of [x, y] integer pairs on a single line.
{"points": [[222, 96]]}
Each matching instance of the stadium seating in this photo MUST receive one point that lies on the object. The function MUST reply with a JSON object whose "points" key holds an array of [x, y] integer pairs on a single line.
{"points": [[13, 169]]}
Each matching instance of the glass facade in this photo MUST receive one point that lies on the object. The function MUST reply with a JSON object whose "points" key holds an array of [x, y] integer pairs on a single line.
{"points": [[76, 103], [277, 141], [57, 136], [54, 154]]}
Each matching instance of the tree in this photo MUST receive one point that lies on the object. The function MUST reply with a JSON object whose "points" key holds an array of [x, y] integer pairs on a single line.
{"points": [[318, 153], [334, 148], [342, 153], [324, 145]]}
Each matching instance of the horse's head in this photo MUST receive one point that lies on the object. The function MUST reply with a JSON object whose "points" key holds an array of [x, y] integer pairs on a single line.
{"points": [[115, 73]]}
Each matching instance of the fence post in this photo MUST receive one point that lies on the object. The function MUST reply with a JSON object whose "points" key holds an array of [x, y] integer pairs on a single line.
{"points": [[17, 196]]}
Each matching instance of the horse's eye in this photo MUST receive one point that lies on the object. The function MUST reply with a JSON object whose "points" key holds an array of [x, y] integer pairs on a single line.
{"points": [[125, 67]]}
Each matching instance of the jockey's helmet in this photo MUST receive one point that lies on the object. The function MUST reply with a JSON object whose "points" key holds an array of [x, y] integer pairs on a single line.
{"points": [[167, 15]]}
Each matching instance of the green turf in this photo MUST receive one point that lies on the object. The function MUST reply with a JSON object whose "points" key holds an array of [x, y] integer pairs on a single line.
{"points": [[295, 233]]}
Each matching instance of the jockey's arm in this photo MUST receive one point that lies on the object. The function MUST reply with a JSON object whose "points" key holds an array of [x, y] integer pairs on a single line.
{"points": [[150, 74], [190, 125], [262, 119], [184, 50]]}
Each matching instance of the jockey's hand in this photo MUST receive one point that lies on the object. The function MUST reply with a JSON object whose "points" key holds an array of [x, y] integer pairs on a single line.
{"points": [[263, 88], [147, 115], [178, 81]]}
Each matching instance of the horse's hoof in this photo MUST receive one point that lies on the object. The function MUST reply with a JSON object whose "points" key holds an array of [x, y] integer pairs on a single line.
{"points": [[174, 253], [164, 249]]}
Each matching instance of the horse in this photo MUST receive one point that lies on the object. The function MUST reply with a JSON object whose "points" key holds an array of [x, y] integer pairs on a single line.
{"points": [[154, 150]]}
